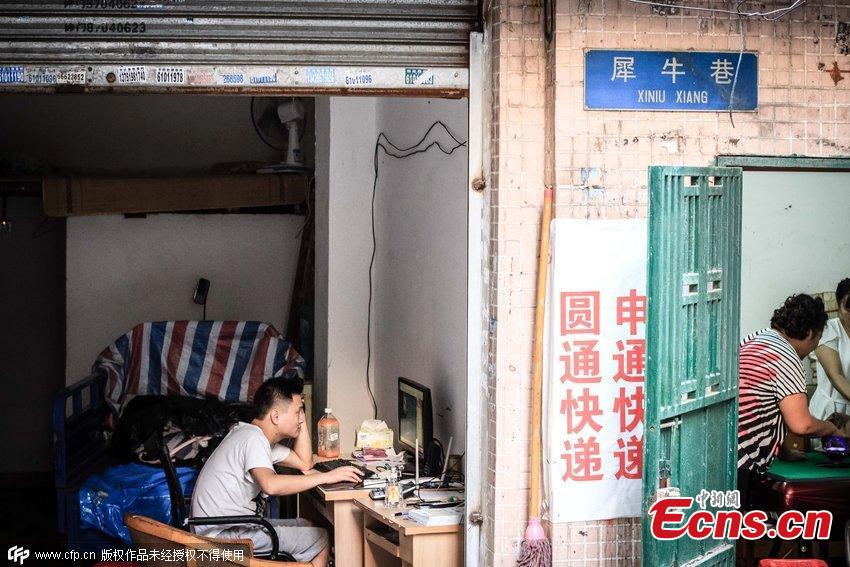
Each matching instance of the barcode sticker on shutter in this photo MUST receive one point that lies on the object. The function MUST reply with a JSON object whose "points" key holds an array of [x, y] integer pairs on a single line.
{"points": [[170, 76], [11, 74], [132, 75], [71, 77], [41, 76]]}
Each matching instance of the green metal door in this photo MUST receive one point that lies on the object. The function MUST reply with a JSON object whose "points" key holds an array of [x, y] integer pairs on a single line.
{"points": [[692, 339]]}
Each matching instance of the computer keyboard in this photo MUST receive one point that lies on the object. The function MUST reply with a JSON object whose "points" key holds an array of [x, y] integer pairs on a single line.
{"points": [[328, 466]]}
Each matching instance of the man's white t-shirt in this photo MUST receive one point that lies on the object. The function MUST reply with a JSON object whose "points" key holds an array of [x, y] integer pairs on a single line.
{"points": [[225, 486]]}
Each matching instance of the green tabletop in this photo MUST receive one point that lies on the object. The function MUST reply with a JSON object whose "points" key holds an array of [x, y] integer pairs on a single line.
{"points": [[808, 469]]}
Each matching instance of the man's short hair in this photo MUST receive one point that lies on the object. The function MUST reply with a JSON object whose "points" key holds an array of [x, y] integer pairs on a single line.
{"points": [[276, 390], [799, 315]]}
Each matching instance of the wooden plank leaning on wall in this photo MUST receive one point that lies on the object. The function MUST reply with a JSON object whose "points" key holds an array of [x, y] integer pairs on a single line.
{"points": [[72, 196]]}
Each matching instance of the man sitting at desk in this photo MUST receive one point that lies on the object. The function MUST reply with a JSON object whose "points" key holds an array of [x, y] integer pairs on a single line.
{"points": [[240, 473]]}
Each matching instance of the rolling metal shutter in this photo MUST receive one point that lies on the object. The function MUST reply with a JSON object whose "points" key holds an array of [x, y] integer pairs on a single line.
{"points": [[247, 44]]}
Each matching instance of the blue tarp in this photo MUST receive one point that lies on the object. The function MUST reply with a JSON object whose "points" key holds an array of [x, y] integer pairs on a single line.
{"points": [[132, 488]]}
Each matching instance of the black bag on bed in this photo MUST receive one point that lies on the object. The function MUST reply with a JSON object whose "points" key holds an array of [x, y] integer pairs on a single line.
{"points": [[190, 428]]}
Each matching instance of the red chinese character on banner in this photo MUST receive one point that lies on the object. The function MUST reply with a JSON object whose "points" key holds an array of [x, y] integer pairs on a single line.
{"points": [[579, 312], [582, 365], [630, 361], [629, 458], [631, 310], [629, 408], [581, 411], [583, 462]]}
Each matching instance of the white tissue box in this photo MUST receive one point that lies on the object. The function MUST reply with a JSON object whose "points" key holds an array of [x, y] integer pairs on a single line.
{"points": [[374, 435]]}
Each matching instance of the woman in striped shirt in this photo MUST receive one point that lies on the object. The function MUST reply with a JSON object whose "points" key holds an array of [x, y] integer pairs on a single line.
{"points": [[772, 385]]}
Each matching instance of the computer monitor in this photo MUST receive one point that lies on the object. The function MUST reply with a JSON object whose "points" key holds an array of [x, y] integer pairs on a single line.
{"points": [[415, 416]]}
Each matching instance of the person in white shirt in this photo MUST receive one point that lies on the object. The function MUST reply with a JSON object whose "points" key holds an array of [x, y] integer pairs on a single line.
{"points": [[240, 473], [833, 355]]}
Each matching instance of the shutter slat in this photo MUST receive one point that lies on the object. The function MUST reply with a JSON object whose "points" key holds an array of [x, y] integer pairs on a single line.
{"points": [[282, 32]]}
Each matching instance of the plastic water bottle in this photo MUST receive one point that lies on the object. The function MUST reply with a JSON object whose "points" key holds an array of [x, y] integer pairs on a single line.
{"points": [[328, 429]]}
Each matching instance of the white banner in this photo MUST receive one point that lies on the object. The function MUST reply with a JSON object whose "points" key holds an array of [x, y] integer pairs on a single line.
{"points": [[594, 369]]}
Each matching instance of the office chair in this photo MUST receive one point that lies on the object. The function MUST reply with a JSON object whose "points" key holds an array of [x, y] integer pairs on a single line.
{"points": [[181, 520], [151, 535]]}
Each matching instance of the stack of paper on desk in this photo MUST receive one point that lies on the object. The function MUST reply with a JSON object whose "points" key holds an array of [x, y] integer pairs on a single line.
{"points": [[374, 482], [436, 516]]}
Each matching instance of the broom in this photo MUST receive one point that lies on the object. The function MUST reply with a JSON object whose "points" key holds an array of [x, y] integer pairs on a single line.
{"points": [[536, 550]]}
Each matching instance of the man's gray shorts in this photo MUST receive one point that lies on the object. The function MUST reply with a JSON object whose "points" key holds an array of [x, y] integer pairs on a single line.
{"points": [[297, 537]]}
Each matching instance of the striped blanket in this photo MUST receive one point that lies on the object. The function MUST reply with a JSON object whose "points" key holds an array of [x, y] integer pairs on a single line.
{"points": [[227, 360]]}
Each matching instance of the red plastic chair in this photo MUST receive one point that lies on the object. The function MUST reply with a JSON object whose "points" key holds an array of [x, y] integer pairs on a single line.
{"points": [[792, 563]]}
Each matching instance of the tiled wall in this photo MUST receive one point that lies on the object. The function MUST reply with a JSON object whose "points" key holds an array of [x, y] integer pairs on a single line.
{"points": [[802, 111]]}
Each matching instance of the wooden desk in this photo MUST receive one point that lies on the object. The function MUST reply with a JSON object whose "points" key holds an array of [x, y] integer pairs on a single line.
{"points": [[418, 545], [335, 509]]}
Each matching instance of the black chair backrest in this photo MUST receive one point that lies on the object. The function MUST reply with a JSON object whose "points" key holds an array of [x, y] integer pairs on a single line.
{"points": [[179, 512]]}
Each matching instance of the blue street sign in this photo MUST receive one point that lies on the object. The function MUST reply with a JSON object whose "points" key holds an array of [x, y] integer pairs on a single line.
{"points": [[669, 80]]}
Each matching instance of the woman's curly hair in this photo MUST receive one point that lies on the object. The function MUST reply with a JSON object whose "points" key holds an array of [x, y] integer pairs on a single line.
{"points": [[842, 293], [800, 314]]}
